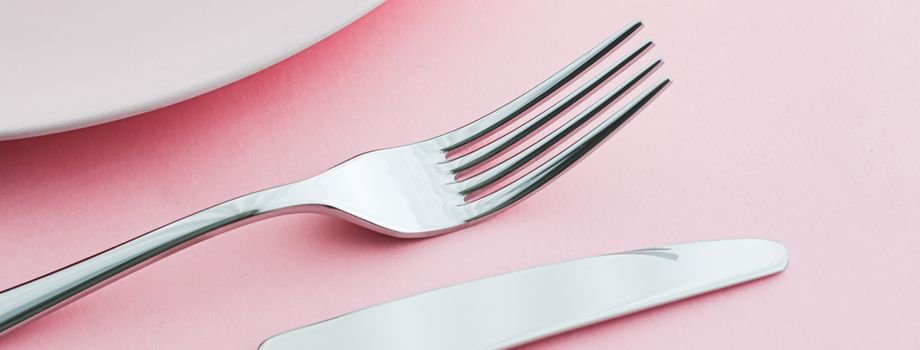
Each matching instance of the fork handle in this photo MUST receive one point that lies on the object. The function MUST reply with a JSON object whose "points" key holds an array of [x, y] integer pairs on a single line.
{"points": [[42, 295]]}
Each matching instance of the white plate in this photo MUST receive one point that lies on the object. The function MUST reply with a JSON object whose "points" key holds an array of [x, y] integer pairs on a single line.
{"points": [[71, 64]]}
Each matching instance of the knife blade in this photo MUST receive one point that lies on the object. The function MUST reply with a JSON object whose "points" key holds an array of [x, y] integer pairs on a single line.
{"points": [[526, 305]]}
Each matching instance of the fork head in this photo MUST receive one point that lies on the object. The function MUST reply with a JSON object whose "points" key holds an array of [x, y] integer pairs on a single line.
{"points": [[414, 191]]}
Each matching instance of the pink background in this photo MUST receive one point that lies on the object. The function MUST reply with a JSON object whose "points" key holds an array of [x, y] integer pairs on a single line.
{"points": [[792, 121]]}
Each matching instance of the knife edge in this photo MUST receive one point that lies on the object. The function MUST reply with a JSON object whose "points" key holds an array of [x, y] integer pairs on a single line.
{"points": [[543, 301]]}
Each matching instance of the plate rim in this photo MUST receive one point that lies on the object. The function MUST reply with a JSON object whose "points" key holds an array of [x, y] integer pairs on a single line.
{"points": [[186, 92]]}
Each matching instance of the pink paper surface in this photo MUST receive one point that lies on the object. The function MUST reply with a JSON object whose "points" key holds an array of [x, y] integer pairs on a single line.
{"points": [[787, 120]]}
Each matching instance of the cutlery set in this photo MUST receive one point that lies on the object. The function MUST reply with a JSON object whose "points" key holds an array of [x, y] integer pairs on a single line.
{"points": [[417, 191]]}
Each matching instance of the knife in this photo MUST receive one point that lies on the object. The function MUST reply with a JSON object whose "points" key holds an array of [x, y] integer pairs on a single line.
{"points": [[523, 306]]}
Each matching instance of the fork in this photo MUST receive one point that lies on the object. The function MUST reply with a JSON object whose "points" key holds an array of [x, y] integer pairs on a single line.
{"points": [[410, 191]]}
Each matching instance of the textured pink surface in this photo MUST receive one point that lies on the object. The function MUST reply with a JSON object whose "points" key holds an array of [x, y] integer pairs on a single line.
{"points": [[791, 121]]}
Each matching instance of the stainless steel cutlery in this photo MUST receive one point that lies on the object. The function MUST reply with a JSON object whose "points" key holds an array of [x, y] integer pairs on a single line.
{"points": [[523, 306], [410, 191]]}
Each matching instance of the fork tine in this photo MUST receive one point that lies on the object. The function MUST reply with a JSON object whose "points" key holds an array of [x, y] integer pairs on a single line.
{"points": [[520, 159], [485, 152], [534, 180], [503, 114]]}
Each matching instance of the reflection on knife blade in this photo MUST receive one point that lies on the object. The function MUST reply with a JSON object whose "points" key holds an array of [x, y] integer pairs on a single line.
{"points": [[523, 306]]}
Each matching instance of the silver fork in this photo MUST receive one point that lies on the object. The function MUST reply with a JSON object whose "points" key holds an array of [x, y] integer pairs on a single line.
{"points": [[410, 191]]}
